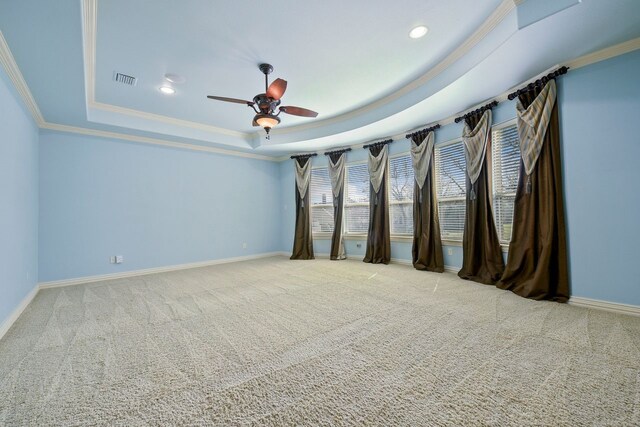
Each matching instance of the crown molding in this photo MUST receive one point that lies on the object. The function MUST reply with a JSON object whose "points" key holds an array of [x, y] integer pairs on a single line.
{"points": [[155, 141], [606, 53], [89, 42], [582, 61], [89, 12], [165, 119], [89, 33], [13, 71], [499, 14], [11, 67]]}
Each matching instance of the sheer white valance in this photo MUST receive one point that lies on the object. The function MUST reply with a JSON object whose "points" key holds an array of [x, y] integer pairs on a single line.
{"points": [[533, 123], [421, 158], [303, 177], [336, 173], [475, 145], [377, 167]]}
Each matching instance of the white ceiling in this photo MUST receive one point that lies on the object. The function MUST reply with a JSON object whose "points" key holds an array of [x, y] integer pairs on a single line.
{"points": [[353, 62], [336, 55]]}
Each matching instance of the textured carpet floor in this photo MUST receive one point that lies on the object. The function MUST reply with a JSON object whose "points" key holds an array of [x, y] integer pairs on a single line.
{"points": [[279, 342]]}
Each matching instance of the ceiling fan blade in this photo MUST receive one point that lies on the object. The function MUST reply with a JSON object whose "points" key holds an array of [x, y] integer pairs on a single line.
{"points": [[298, 111], [235, 100], [276, 89]]}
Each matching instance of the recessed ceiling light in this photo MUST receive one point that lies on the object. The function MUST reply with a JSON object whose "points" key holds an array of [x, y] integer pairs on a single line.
{"points": [[418, 32], [167, 90], [174, 78]]}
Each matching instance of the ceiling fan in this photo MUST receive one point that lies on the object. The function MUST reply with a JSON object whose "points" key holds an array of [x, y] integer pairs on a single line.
{"points": [[267, 102]]}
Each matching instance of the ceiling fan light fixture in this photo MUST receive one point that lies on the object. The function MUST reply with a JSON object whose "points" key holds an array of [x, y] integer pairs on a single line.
{"points": [[266, 120]]}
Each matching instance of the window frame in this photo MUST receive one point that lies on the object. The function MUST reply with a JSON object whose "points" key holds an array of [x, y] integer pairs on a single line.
{"points": [[399, 236], [445, 241], [346, 234], [320, 234], [362, 236], [508, 123]]}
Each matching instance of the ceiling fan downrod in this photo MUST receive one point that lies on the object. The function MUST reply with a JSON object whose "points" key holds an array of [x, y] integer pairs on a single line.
{"points": [[266, 70]]}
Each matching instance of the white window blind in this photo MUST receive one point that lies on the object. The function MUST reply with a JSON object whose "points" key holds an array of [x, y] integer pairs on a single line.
{"points": [[506, 163], [321, 199], [401, 182], [451, 189], [357, 199]]}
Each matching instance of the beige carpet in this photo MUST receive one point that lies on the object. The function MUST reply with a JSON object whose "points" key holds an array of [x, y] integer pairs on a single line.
{"points": [[279, 342]]}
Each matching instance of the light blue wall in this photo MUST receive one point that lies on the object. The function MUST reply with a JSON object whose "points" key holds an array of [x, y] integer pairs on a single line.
{"points": [[600, 122], [18, 200], [160, 206], [156, 206], [599, 107]]}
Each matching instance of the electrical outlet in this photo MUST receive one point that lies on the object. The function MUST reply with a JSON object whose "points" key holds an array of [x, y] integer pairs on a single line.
{"points": [[244, 246], [119, 259], [358, 245], [112, 260], [450, 251]]}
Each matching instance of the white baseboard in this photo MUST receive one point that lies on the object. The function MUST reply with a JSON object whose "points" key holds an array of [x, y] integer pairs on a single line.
{"points": [[613, 307], [6, 324], [133, 273]]}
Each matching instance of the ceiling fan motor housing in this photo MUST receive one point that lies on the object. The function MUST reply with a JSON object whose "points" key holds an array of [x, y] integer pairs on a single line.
{"points": [[265, 104]]}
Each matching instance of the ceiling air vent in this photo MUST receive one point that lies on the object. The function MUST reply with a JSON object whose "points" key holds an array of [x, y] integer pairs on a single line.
{"points": [[125, 79]]}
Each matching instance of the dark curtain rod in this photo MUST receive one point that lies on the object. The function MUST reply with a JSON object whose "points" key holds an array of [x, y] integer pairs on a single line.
{"points": [[424, 131], [343, 150], [540, 82], [377, 144], [304, 156], [480, 110]]}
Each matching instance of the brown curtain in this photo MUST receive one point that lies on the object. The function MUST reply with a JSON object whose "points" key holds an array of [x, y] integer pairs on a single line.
{"points": [[302, 240], [481, 254], [338, 203], [379, 236], [427, 245], [537, 263]]}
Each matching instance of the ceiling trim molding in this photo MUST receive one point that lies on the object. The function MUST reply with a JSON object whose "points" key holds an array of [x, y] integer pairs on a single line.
{"points": [[166, 119], [13, 71], [11, 67], [90, 33], [89, 42], [498, 15], [147, 140], [573, 64], [89, 29], [606, 53]]}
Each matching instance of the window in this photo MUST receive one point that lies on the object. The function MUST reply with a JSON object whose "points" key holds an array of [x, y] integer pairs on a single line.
{"points": [[401, 182], [357, 199], [451, 189], [505, 151], [321, 199]]}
